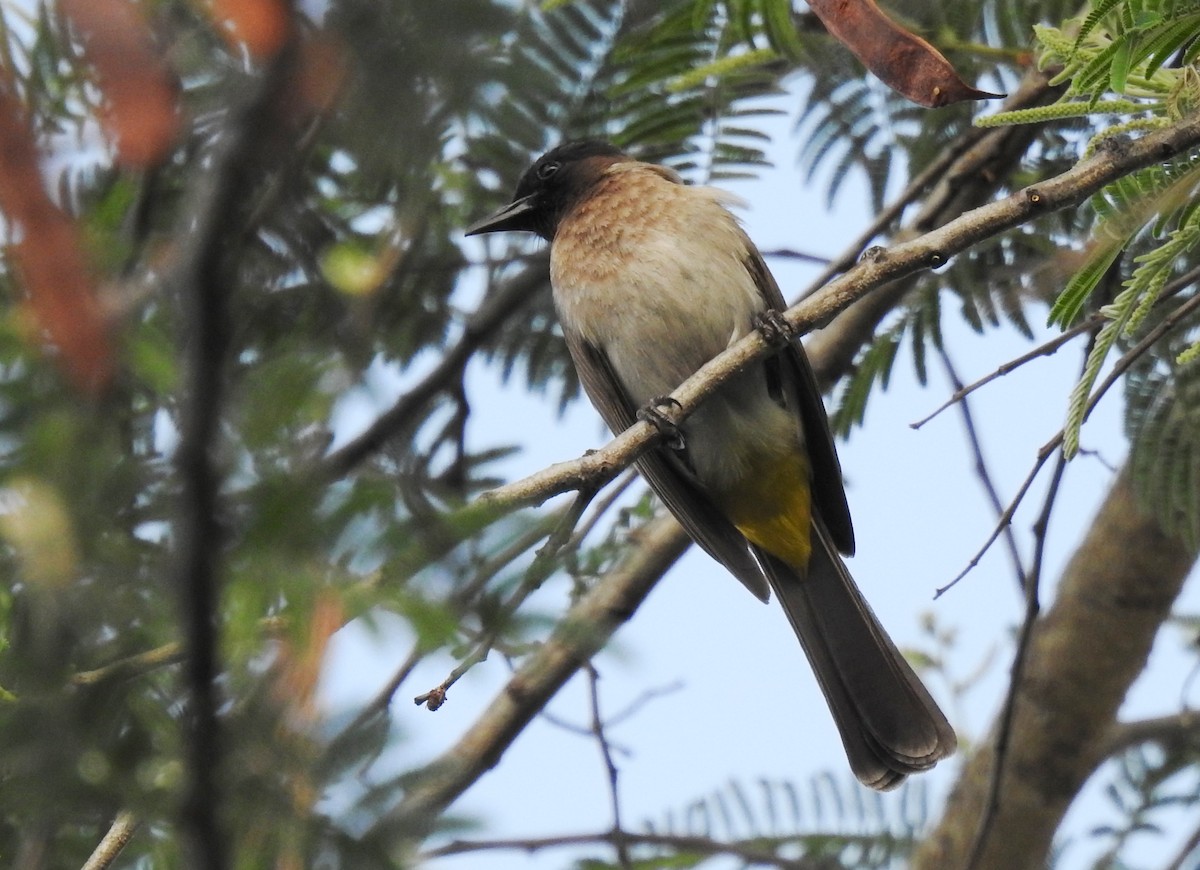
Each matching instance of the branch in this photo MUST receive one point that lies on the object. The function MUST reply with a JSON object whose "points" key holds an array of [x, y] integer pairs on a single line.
{"points": [[754, 852], [963, 170], [981, 468], [876, 269], [580, 635], [1082, 657], [488, 317], [1004, 728], [1175, 730], [1175, 318], [123, 828], [202, 279], [544, 563], [984, 165], [620, 838], [1091, 324], [167, 654]]}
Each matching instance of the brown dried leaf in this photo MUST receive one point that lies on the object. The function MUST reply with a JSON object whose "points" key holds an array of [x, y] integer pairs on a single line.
{"points": [[140, 113], [300, 669], [48, 255], [902, 60], [261, 26]]}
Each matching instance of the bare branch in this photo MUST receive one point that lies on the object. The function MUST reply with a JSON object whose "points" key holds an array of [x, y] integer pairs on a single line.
{"points": [[1004, 730], [1082, 657], [754, 852], [167, 654], [619, 840], [582, 632], [1178, 729], [1092, 323], [543, 566], [123, 828], [981, 469], [490, 315], [1047, 348], [964, 159]]}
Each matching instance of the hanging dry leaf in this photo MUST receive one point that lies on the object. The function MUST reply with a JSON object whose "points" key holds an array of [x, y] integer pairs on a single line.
{"points": [[48, 254], [902, 60], [140, 112], [262, 26]]}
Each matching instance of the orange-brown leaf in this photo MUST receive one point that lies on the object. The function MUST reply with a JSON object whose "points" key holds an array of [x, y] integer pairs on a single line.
{"points": [[48, 255], [262, 26], [140, 112], [301, 668], [902, 60]]}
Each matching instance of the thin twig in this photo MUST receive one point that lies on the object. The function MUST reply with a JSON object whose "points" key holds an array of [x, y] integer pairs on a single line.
{"points": [[753, 852], [600, 508], [620, 845], [630, 709], [543, 566], [582, 631], [1119, 368], [457, 605], [123, 828], [491, 314], [642, 700], [1033, 608], [789, 254], [1188, 850], [1047, 348], [1044, 453], [1008, 712], [981, 469], [167, 654], [1094, 322]]}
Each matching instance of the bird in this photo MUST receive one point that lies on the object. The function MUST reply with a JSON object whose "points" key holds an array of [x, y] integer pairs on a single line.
{"points": [[651, 279]]}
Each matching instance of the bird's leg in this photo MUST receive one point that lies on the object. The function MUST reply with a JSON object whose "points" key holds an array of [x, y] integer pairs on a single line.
{"points": [[654, 413], [774, 329]]}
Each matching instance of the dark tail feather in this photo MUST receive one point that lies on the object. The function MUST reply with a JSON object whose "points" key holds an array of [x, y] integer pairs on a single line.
{"points": [[889, 724]]}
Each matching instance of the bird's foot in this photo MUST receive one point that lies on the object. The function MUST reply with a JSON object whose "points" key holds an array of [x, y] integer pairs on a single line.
{"points": [[654, 413], [772, 326]]}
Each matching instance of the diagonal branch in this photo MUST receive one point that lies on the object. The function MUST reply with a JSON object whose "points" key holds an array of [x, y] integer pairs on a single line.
{"points": [[874, 271], [490, 315], [586, 627]]}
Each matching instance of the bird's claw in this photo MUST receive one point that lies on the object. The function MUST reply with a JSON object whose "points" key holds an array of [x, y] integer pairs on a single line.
{"points": [[772, 326], [654, 414]]}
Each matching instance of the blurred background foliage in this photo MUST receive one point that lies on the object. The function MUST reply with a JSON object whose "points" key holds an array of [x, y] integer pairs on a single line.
{"points": [[398, 123]]}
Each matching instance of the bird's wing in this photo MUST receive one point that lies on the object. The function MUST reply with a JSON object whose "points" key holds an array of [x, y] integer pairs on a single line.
{"points": [[666, 475], [829, 493]]}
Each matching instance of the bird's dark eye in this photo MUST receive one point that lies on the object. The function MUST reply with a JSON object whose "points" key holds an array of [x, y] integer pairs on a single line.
{"points": [[548, 169]]}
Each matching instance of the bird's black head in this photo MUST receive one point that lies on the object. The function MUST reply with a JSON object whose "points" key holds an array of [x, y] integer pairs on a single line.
{"points": [[550, 187]]}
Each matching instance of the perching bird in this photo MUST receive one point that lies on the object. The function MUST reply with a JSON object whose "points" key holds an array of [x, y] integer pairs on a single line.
{"points": [[653, 278]]}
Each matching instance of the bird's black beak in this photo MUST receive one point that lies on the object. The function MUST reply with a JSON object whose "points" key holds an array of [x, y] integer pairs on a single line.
{"points": [[517, 215]]}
